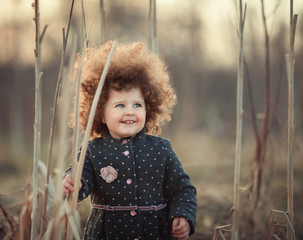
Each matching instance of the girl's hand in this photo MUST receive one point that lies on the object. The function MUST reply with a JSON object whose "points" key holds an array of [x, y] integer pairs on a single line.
{"points": [[180, 228], [68, 184]]}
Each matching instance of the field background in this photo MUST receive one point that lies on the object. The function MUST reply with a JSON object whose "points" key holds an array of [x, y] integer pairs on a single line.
{"points": [[198, 41]]}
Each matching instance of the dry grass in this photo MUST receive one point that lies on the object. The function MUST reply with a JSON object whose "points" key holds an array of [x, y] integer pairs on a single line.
{"points": [[209, 161]]}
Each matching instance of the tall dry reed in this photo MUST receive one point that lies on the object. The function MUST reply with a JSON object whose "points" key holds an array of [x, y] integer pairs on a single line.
{"points": [[290, 61], [37, 125], [239, 129]]}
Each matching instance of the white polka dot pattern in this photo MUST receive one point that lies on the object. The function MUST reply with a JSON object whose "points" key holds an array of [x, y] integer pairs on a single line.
{"points": [[149, 173]]}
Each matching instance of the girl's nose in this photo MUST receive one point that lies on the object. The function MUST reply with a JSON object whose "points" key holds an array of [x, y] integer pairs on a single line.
{"points": [[129, 111]]}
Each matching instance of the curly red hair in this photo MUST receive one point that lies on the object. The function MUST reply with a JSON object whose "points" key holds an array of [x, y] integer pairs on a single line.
{"points": [[132, 66]]}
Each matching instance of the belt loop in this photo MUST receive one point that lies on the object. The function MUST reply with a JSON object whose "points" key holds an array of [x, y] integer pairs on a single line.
{"points": [[153, 207], [109, 208]]}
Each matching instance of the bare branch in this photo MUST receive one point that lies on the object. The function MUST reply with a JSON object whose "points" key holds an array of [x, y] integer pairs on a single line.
{"points": [[37, 125], [54, 113], [80, 164], [43, 33], [290, 62], [239, 130], [102, 22]]}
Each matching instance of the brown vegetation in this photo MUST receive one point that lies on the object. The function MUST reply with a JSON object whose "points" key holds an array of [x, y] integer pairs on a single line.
{"points": [[206, 112]]}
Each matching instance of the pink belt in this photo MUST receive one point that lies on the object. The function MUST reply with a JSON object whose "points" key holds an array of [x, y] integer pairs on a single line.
{"points": [[122, 208]]}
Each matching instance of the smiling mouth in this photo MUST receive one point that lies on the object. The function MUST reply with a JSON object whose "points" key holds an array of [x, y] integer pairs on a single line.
{"points": [[128, 122]]}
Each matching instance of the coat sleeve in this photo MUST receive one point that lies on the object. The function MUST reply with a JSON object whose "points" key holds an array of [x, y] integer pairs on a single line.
{"points": [[179, 192], [87, 178]]}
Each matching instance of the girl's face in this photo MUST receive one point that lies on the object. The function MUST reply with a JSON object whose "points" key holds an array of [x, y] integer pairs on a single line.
{"points": [[125, 113]]}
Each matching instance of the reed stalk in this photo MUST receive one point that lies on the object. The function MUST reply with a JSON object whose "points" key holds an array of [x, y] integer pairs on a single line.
{"points": [[150, 29], [152, 19], [262, 143], [77, 113], [252, 105], [155, 44], [69, 233], [102, 22], [79, 166], [84, 32], [239, 130], [65, 104], [290, 61], [54, 113], [37, 124], [76, 134], [75, 194]]}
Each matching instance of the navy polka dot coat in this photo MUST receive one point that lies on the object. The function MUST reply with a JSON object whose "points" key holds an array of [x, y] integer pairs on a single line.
{"points": [[137, 186]]}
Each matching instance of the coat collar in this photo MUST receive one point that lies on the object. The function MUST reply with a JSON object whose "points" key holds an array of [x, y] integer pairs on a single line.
{"points": [[106, 137]]}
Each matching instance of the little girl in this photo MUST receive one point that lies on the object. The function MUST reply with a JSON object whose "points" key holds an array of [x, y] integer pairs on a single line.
{"points": [[138, 187]]}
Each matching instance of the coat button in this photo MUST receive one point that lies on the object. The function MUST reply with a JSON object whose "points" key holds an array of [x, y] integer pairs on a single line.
{"points": [[126, 153], [129, 181], [124, 141], [133, 213]]}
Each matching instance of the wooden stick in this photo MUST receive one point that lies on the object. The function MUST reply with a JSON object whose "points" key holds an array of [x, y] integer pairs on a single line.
{"points": [[155, 44], [65, 104], [102, 22], [152, 19], [72, 204], [267, 84], [238, 148], [37, 125], [80, 164], [84, 32], [252, 105], [54, 113], [150, 29], [290, 61], [77, 110], [69, 233], [261, 146]]}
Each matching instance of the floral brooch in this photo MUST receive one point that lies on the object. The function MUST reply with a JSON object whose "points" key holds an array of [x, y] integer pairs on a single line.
{"points": [[109, 174]]}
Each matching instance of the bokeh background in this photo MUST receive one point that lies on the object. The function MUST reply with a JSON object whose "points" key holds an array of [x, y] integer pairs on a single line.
{"points": [[198, 40]]}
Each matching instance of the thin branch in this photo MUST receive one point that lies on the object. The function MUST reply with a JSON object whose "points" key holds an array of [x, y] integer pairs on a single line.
{"points": [[290, 61], [37, 125], [80, 164], [43, 33], [71, 202], [155, 44], [150, 29], [239, 130], [89, 125], [54, 113], [69, 23], [152, 19], [83, 21], [267, 80], [102, 22], [286, 217], [69, 233], [252, 105], [63, 38], [257, 173], [65, 105], [72, 221]]}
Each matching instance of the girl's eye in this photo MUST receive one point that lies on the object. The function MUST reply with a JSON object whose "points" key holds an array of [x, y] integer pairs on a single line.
{"points": [[119, 105], [137, 105]]}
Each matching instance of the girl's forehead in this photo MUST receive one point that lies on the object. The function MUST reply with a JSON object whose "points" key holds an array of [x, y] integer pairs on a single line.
{"points": [[131, 93]]}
